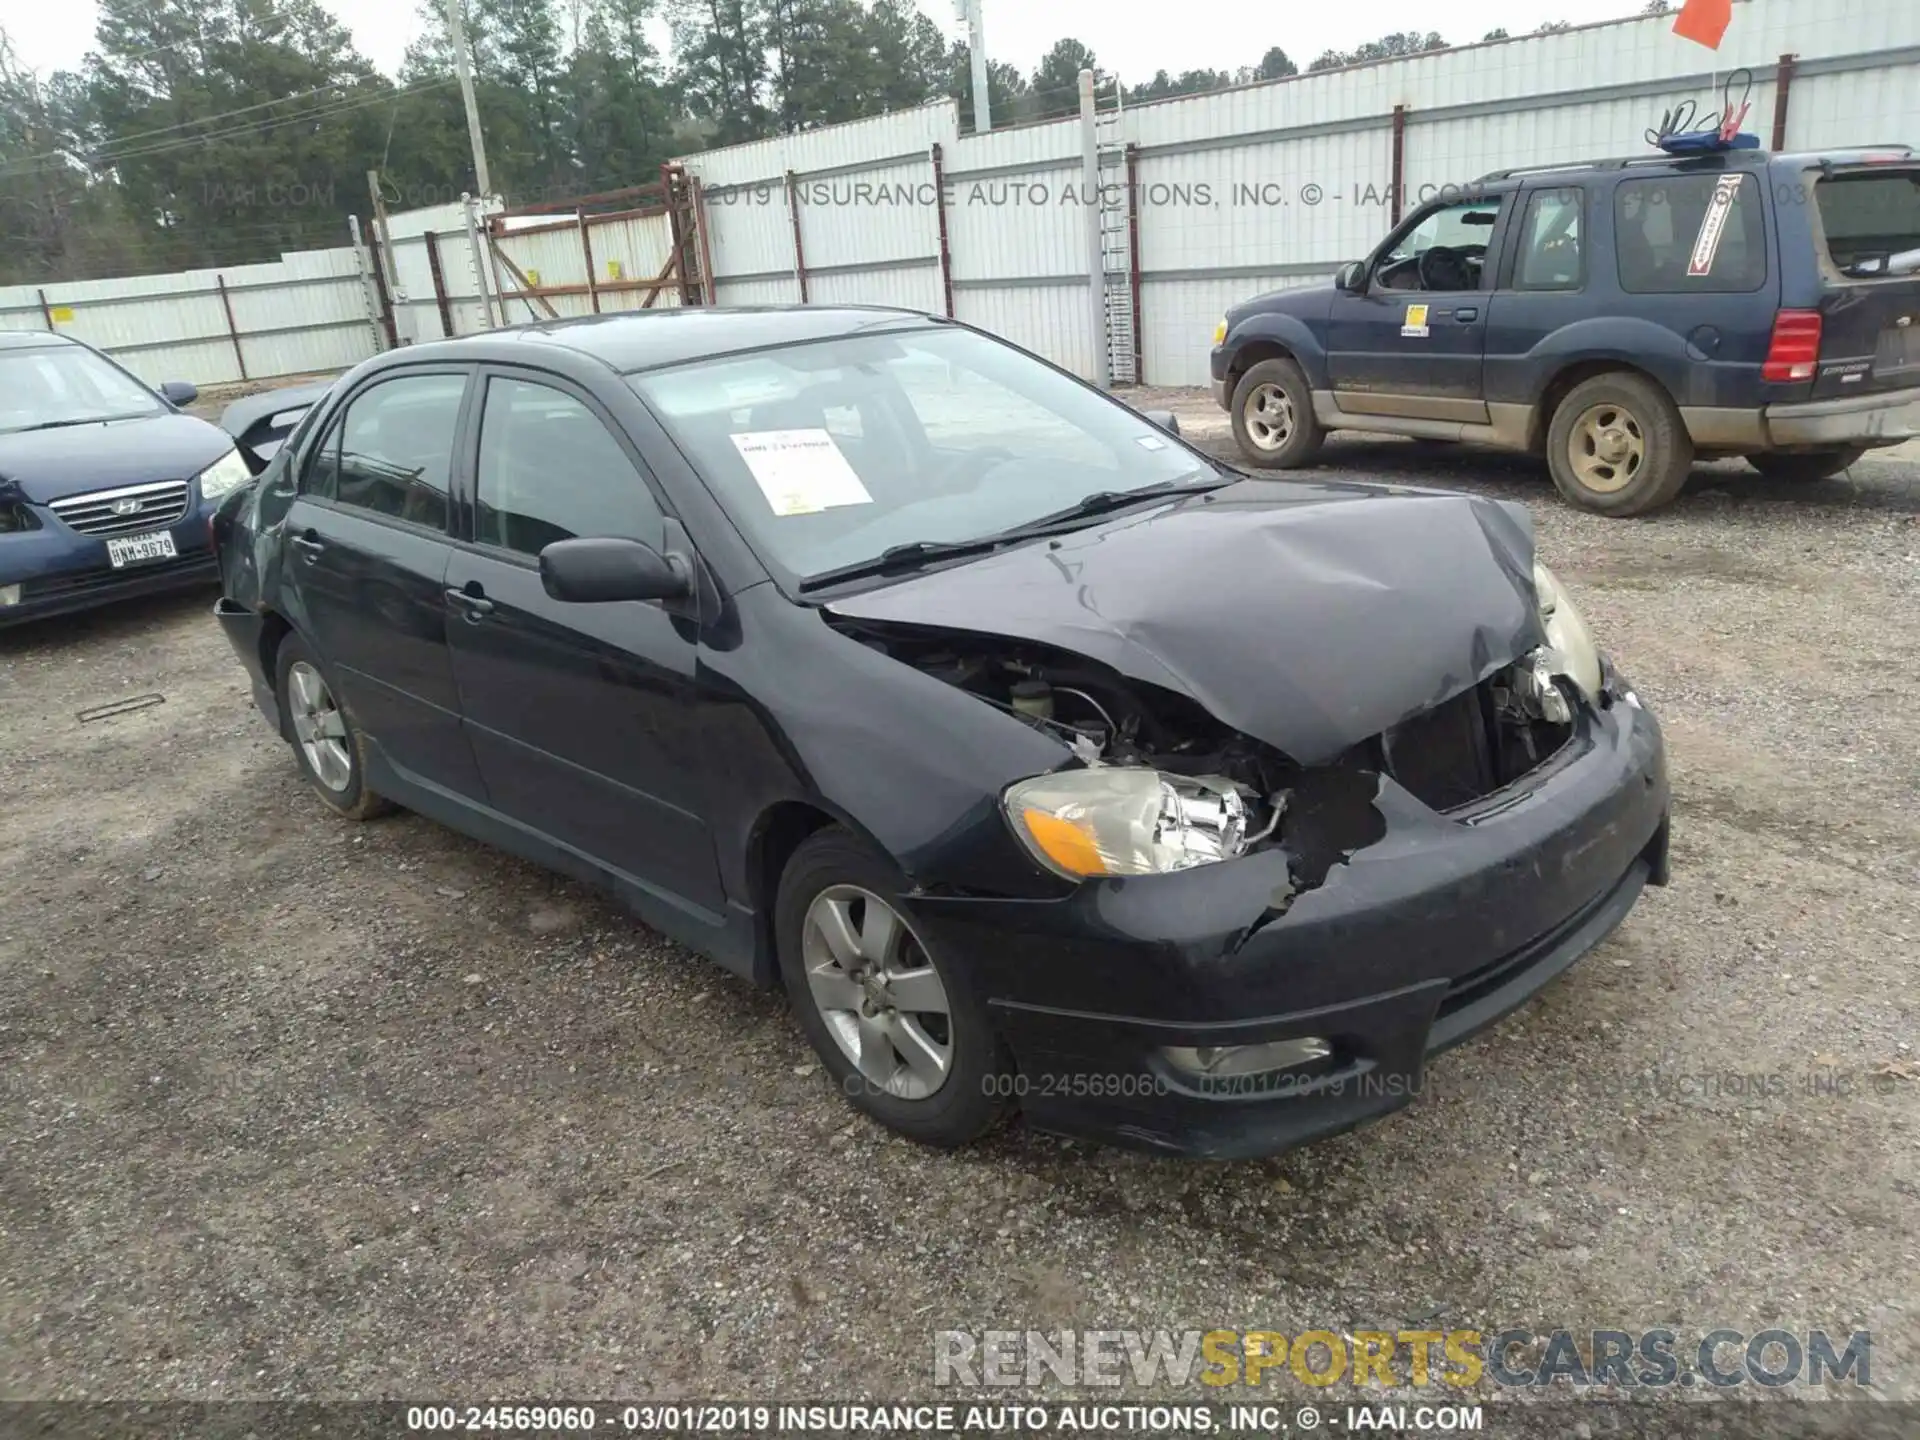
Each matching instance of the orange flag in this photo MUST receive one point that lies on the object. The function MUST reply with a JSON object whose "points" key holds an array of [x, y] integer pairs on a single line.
{"points": [[1704, 21]]}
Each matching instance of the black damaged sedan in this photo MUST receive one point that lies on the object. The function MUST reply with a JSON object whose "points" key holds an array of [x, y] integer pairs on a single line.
{"points": [[1046, 762]]}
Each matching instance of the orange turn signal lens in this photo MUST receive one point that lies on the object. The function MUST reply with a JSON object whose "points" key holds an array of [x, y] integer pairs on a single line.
{"points": [[1068, 845]]}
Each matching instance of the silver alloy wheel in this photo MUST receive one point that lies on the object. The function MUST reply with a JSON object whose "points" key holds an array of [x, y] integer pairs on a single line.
{"points": [[319, 727], [1606, 448], [873, 984], [1269, 416]]}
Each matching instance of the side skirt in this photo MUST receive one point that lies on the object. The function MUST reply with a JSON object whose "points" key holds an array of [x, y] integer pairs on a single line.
{"points": [[728, 939]]}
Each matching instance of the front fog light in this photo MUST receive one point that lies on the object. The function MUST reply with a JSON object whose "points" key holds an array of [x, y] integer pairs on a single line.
{"points": [[1218, 1062], [9, 595]]}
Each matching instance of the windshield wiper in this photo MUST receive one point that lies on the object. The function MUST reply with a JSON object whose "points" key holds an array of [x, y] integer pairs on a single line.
{"points": [[916, 553], [1104, 502], [65, 424], [909, 556]]}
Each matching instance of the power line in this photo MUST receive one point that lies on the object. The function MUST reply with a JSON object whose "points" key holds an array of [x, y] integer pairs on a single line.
{"points": [[323, 112]]}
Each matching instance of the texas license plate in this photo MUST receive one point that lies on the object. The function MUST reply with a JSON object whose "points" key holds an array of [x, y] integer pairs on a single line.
{"points": [[130, 549]]}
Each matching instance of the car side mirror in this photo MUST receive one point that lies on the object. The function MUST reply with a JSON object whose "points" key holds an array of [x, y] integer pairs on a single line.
{"points": [[180, 392], [1165, 419], [596, 570], [1351, 277]]}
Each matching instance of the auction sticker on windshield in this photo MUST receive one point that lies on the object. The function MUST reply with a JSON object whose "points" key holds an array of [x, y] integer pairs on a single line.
{"points": [[801, 472]]}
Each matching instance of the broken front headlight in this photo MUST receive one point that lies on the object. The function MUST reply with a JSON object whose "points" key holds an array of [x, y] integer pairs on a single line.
{"points": [[1123, 820], [1567, 632]]}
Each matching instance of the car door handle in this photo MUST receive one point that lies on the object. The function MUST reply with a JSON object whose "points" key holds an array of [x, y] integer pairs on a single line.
{"points": [[308, 547], [1467, 314], [475, 606]]}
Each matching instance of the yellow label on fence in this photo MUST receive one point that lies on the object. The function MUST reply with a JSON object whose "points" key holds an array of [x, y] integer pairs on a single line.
{"points": [[615, 271], [61, 314], [533, 279]]}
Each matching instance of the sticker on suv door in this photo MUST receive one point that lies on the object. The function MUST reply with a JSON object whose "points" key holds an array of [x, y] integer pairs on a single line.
{"points": [[1713, 225], [1415, 325]]}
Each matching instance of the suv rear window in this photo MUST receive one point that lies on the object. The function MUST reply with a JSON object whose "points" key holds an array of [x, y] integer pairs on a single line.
{"points": [[1870, 218], [1690, 234]]}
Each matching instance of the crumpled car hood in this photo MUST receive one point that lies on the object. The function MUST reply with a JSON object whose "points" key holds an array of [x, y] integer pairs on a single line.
{"points": [[1311, 616]]}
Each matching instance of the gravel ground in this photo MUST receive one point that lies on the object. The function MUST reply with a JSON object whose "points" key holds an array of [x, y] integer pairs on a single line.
{"points": [[291, 1107]]}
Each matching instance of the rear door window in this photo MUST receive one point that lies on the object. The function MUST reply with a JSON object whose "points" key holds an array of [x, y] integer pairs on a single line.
{"points": [[1870, 219], [1551, 252], [391, 453], [1690, 234]]}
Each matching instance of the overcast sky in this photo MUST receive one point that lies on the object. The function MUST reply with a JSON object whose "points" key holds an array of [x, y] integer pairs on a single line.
{"points": [[1134, 37]]}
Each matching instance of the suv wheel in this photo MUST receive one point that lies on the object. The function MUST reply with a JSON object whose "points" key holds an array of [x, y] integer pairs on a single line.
{"points": [[1805, 464], [893, 1019], [1273, 420], [1617, 446], [325, 740]]}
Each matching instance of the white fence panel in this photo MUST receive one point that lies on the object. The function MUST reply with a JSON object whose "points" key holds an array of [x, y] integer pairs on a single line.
{"points": [[1239, 191], [862, 216], [1050, 320], [1017, 227], [909, 287]]}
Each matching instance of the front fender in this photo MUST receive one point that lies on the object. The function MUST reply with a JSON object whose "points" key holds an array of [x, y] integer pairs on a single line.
{"points": [[1267, 328]]}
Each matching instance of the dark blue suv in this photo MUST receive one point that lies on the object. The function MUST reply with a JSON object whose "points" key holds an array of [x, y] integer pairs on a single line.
{"points": [[1622, 317]]}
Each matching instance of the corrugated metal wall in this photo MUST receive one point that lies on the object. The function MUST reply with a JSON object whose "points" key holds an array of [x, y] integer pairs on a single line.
{"points": [[1267, 186], [1237, 192], [306, 313]]}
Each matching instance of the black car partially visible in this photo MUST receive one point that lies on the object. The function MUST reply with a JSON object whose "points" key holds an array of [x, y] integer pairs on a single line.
{"points": [[1046, 762]]}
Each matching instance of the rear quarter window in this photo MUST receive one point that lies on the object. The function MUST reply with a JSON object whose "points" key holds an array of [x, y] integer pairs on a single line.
{"points": [[1690, 234], [1869, 218]]}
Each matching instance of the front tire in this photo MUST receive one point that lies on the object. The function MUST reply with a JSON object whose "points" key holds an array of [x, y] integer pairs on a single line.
{"points": [[896, 1022], [327, 745], [1805, 466], [1617, 446], [1273, 421]]}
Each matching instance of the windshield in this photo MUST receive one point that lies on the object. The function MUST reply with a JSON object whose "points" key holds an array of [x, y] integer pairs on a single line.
{"points": [[65, 385], [828, 454]]}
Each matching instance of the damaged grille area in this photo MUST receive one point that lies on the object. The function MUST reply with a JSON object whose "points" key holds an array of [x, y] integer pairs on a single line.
{"points": [[1467, 748], [1225, 793]]}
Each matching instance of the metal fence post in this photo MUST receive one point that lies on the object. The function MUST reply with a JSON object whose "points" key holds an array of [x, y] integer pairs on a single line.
{"points": [[940, 210], [233, 330], [799, 251], [439, 284]]}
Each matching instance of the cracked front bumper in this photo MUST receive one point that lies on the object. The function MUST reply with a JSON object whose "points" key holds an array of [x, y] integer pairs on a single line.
{"points": [[1444, 925]]}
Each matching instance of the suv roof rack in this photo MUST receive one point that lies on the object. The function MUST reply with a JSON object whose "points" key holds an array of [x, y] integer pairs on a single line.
{"points": [[1624, 162]]}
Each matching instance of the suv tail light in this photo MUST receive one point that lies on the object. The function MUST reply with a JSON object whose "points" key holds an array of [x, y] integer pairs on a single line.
{"points": [[1795, 352]]}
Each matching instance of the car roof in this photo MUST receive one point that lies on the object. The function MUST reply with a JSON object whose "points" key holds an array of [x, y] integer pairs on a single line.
{"points": [[649, 339], [31, 340], [1727, 160]]}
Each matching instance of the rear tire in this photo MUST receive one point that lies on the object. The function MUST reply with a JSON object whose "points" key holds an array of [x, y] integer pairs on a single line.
{"points": [[1617, 446], [896, 1022], [1273, 421], [328, 747], [1806, 465]]}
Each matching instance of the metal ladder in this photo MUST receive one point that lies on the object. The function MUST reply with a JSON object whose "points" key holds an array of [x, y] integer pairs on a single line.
{"points": [[1116, 231]]}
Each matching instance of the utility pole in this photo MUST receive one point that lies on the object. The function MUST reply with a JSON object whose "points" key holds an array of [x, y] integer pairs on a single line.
{"points": [[458, 29], [969, 14]]}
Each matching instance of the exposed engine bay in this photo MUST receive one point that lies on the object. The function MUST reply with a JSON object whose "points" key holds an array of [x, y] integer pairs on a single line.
{"points": [[1223, 794]]}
